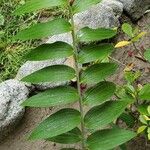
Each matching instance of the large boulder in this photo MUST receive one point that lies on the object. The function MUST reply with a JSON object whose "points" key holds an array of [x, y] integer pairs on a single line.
{"points": [[105, 14], [135, 8], [33, 66], [12, 94]]}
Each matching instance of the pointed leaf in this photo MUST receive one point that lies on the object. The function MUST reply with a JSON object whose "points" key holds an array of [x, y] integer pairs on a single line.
{"points": [[58, 123], [109, 138], [145, 92], [100, 116], [42, 30], [147, 55], [98, 72], [70, 137], [90, 35], [34, 5], [55, 50], [100, 93], [82, 5], [53, 97], [56, 73], [141, 129], [122, 44], [143, 109], [127, 28], [95, 52], [140, 35], [128, 119]]}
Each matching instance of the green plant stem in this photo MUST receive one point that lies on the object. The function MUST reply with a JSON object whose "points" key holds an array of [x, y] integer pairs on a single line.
{"points": [[77, 68]]}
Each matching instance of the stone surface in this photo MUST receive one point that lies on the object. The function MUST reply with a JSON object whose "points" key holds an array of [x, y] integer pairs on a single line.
{"points": [[12, 94], [135, 8], [32, 66], [105, 14]]}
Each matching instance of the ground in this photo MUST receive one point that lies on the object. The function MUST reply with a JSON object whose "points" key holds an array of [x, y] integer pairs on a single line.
{"points": [[17, 140]]}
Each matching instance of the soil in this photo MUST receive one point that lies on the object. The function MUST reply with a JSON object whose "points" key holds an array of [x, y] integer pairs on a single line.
{"points": [[17, 140]]}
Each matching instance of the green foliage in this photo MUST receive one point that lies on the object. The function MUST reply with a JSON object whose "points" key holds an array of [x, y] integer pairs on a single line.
{"points": [[144, 94], [105, 114], [70, 137], [11, 53], [50, 51], [62, 126], [53, 97], [95, 53], [89, 35], [44, 30], [147, 55], [56, 73], [109, 138], [58, 123]]}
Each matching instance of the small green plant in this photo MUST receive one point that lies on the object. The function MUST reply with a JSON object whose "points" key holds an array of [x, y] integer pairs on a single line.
{"points": [[70, 125]]}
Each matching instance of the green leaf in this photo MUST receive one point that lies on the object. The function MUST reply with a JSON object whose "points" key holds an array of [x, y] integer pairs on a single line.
{"points": [[34, 5], [100, 116], [100, 93], [58, 123], [143, 109], [70, 137], [95, 52], [144, 94], [53, 97], [98, 72], [109, 138], [141, 129], [127, 28], [90, 35], [128, 119], [42, 30], [147, 55], [56, 73], [82, 5], [2, 20], [50, 51]]}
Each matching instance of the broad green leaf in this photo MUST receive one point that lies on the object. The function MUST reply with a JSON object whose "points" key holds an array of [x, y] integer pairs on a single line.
{"points": [[143, 119], [56, 73], [53, 97], [50, 51], [58, 123], [127, 28], [141, 129], [100, 93], [98, 72], [34, 5], [101, 116], [82, 5], [147, 55], [144, 94], [109, 138], [90, 35], [95, 52], [70, 137], [143, 109], [128, 119], [42, 30]]}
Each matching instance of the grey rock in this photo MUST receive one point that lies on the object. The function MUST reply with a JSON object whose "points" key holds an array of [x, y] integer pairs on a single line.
{"points": [[33, 66], [135, 8], [12, 94], [105, 14]]}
